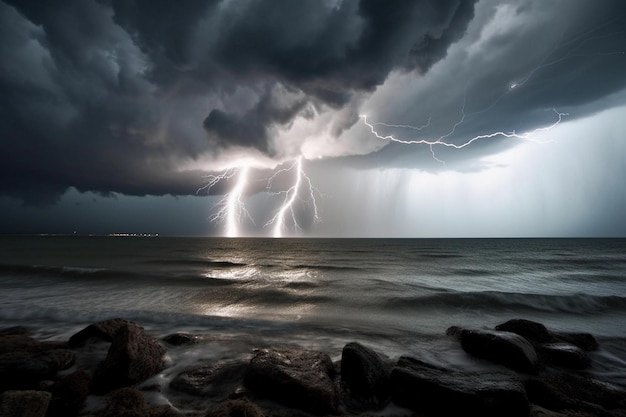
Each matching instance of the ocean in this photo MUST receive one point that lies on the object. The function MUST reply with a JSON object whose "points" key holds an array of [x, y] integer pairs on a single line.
{"points": [[397, 296]]}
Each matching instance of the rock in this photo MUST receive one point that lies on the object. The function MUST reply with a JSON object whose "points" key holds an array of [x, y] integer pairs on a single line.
{"points": [[531, 330], [22, 369], [506, 348], [538, 333], [433, 390], [297, 378], [560, 390], [24, 403], [104, 330], [365, 376], [214, 380], [585, 341], [235, 408], [179, 339], [133, 357], [126, 402], [564, 355], [69, 394]]}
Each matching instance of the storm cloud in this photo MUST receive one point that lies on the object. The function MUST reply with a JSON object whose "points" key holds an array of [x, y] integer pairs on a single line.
{"points": [[143, 97]]}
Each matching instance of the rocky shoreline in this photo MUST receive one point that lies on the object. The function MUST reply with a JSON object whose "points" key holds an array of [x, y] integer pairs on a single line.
{"points": [[111, 369]]}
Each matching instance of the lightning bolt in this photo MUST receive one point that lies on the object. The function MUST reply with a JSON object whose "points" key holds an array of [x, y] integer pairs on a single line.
{"points": [[527, 136], [231, 208], [290, 196]]}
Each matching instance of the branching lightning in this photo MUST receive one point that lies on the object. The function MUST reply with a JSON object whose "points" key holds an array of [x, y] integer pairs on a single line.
{"points": [[290, 196], [526, 136], [231, 207]]}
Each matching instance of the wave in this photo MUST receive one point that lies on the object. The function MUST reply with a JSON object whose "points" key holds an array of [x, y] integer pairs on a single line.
{"points": [[16, 269], [198, 262], [111, 275], [491, 300]]}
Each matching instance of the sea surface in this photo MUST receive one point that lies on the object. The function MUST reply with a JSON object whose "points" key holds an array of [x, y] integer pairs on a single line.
{"points": [[397, 296]]}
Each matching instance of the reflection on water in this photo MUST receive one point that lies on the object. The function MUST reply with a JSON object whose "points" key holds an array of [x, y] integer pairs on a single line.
{"points": [[261, 292]]}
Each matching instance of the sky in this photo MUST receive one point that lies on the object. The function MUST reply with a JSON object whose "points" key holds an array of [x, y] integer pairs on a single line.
{"points": [[337, 118]]}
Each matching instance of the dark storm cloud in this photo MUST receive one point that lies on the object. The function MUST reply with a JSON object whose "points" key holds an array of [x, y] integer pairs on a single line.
{"points": [[112, 96]]}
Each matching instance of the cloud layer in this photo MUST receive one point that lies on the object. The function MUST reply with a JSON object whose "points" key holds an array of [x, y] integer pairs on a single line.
{"points": [[147, 97]]}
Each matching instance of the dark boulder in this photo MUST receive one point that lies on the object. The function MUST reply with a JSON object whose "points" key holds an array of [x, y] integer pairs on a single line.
{"points": [[23, 369], [125, 402], [69, 394], [365, 377], [564, 355], [297, 378], [179, 339], [235, 408], [104, 330], [560, 390], [506, 348], [531, 330], [538, 333], [433, 390], [24, 403], [217, 380], [132, 357], [585, 341]]}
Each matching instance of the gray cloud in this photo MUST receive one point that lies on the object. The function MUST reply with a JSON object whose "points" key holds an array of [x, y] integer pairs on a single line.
{"points": [[113, 96], [123, 96]]}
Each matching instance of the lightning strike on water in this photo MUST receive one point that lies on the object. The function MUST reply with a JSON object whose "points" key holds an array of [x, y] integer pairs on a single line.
{"points": [[231, 206], [527, 136], [291, 194]]}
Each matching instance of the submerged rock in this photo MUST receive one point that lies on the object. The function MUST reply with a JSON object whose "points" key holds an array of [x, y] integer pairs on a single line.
{"points": [[365, 376], [211, 380], [179, 339], [506, 348], [425, 388], [297, 378], [564, 355], [132, 357]]}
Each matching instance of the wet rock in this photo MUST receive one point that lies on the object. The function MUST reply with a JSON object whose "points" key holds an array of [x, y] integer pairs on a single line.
{"points": [[564, 355], [531, 330], [24, 403], [217, 380], [560, 390], [22, 369], [365, 376], [179, 339], [132, 357], [297, 378], [585, 341], [69, 394], [126, 402], [506, 348], [235, 408], [425, 388], [538, 333], [104, 330]]}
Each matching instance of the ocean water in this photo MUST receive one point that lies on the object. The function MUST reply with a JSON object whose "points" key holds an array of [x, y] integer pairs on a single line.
{"points": [[396, 295]]}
